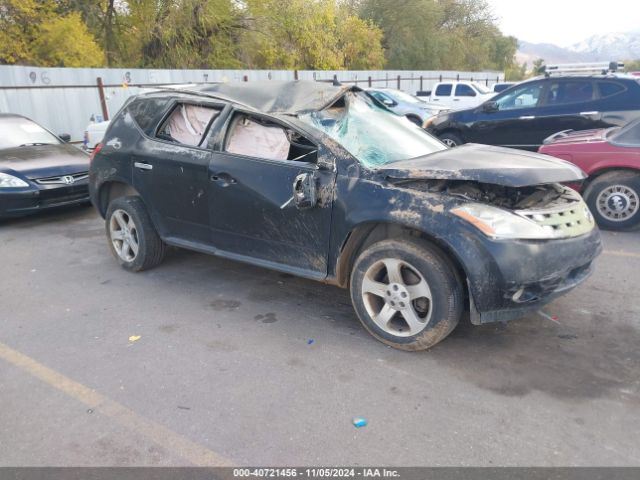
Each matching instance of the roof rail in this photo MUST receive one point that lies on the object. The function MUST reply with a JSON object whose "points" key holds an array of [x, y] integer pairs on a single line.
{"points": [[596, 68]]}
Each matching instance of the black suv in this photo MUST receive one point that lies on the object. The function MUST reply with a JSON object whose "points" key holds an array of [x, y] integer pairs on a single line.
{"points": [[323, 182], [527, 113]]}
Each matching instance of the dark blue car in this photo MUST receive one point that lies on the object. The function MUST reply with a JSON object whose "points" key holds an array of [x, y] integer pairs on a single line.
{"points": [[38, 170]]}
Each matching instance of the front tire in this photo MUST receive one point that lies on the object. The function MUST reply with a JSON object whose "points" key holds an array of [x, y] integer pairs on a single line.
{"points": [[614, 200], [406, 293], [132, 238], [451, 139]]}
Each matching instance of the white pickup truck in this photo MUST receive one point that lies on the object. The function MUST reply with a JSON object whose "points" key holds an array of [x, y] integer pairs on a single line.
{"points": [[459, 95]]}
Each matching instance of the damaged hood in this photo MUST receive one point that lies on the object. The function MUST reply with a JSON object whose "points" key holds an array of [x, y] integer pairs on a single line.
{"points": [[485, 164]]}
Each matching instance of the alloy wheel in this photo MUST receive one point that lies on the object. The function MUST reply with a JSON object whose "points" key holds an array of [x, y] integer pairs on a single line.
{"points": [[397, 297], [124, 235]]}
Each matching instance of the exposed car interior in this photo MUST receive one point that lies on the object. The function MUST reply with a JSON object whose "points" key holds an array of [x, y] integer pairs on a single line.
{"points": [[187, 124], [259, 138]]}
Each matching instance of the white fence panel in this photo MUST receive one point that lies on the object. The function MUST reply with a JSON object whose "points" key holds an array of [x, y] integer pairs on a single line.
{"points": [[65, 99]]}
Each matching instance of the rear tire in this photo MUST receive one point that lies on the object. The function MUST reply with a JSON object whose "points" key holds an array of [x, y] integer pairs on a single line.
{"points": [[406, 293], [451, 139], [614, 200], [132, 238]]}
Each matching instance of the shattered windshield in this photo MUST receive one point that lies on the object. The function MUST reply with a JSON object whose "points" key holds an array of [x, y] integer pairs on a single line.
{"points": [[373, 135]]}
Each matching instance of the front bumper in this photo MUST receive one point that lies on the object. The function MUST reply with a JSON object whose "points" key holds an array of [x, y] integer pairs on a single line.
{"points": [[508, 279], [18, 202]]}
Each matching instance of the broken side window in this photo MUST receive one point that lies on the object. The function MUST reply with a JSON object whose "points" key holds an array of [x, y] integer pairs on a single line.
{"points": [[260, 138], [187, 124]]}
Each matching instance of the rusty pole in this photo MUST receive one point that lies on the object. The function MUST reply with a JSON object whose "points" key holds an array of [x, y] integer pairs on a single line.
{"points": [[103, 99]]}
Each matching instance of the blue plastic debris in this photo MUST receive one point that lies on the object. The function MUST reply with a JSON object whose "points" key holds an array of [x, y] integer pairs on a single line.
{"points": [[310, 341], [359, 422]]}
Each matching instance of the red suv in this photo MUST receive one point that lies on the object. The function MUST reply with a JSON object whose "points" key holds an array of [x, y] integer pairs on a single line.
{"points": [[611, 159]]}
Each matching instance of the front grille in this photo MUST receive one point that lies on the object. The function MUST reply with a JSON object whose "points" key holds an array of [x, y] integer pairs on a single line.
{"points": [[63, 179], [570, 220], [62, 195]]}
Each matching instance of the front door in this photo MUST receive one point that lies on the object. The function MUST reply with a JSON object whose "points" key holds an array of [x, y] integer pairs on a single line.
{"points": [[269, 199], [513, 123]]}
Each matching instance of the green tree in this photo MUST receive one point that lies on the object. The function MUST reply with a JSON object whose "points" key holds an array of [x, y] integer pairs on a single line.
{"points": [[37, 32], [66, 42], [440, 34], [180, 34], [308, 34]]}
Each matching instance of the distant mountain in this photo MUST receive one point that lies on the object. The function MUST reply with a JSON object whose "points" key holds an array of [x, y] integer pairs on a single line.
{"points": [[597, 48]]}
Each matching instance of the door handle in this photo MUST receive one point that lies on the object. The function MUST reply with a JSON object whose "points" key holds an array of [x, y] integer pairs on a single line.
{"points": [[588, 114], [527, 117], [143, 166], [456, 99]]}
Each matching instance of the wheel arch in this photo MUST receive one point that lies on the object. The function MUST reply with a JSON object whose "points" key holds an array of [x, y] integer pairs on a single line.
{"points": [[111, 190], [453, 130], [604, 171], [366, 234]]}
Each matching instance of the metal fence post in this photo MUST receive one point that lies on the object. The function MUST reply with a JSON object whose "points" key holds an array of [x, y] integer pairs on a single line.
{"points": [[369, 82], [103, 99], [398, 82], [421, 89]]}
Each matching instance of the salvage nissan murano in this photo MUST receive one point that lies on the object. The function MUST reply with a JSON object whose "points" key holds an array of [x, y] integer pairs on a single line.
{"points": [[324, 182]]}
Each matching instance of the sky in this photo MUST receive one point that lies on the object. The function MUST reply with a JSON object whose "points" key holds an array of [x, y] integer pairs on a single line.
{"points": [[564, 22]]}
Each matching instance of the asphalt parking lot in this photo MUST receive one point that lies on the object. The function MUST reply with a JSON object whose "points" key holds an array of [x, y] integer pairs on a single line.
{"points": [[205, 361]]}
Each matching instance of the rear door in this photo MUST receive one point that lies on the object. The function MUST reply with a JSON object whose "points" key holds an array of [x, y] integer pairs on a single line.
{"points": [[261, 183], [170, 170], [567, 104], [618, 101]]}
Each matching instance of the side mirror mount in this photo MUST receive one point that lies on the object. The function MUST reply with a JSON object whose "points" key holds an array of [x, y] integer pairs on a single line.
{"points": [[490, 106], [304, 191], [65, 137]]}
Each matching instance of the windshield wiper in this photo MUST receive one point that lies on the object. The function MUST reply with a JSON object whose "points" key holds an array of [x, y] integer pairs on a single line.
{"points": [[34, 144]]}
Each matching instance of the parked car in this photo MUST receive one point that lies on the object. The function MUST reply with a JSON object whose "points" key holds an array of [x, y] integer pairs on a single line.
{"points": [[415, 109], [94, 133], [38, 170], [322, 182], [611, 158], [524, 115], [501, 87], [459, 95]]}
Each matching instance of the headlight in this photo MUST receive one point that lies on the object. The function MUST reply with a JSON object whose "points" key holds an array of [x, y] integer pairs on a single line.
{"points": [[9, 181], [498, 223]]}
